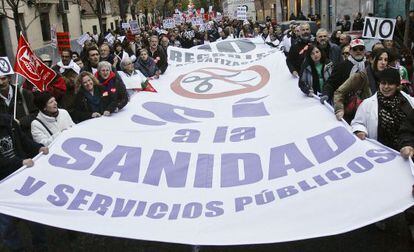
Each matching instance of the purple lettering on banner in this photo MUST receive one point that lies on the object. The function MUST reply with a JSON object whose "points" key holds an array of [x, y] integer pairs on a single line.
{"points": [[220, 136], [192, 210], [321, 144], [246, 108], [204, 171], [100, 204], [129, 171], [157, 210], [175, 172], [286, 191], [241, 202], [320, 180], [230, 172], [140, 208], [383, 155], [189, 57], [186, 136], [360, 165], [79, 200], [296, 160], [146, 121], [337, 173], [121, 209], [72, 147], [242, 134], [167, 112], [175, 55], [304, 185], [175, 210], [61, 198], [30, 186], [214, 209]]}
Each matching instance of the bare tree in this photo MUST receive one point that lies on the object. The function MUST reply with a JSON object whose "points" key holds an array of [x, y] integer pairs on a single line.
{"points": [[14, 6], [97, 7]]}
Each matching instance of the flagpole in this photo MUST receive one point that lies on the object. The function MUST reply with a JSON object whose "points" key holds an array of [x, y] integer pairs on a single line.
{"points": [[15, 96]]}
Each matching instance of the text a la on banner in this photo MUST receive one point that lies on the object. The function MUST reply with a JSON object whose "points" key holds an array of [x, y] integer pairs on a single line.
{"points": [[220, 155]]}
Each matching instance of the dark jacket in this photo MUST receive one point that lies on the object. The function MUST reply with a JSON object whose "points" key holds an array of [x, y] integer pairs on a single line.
{"points": [[339, 75], [406, 134], [334, 53], [162, 63], [310, 80], [23, 146], [83, 109], [26, 111], [296, 55], [147, 68], [116, 88]]}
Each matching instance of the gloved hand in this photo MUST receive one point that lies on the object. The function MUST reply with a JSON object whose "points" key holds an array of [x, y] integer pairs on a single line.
{"points": [[323, 99]]}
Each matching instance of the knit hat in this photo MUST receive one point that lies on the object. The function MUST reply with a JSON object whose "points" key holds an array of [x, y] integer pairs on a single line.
{"points": [[390, 76], [41, 99]]}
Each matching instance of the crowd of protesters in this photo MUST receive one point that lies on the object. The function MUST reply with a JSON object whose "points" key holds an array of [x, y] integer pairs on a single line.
{"points": [[92, 83]]}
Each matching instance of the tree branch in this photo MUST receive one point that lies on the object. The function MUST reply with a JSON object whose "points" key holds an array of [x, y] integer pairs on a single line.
{"points": [[4, 13]]}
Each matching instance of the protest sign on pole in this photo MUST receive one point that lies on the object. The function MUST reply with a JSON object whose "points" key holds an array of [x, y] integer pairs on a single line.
{"points": [[53, 36], [63, 40], [168, 23], [218, 17], [378, 28], [5, 66], [177, 19], [110, 38], [134, 26], [125, 26], [241, 13], [82, 39]]}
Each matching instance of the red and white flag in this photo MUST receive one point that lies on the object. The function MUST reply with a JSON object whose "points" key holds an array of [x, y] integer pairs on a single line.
{"points": [[31, 67]]}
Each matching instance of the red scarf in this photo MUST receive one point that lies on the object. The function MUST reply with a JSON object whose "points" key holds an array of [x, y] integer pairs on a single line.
{"points": [[105, 82]]}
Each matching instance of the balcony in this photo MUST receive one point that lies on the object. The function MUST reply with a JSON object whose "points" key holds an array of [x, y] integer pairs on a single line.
{"points": [[47, 1]]}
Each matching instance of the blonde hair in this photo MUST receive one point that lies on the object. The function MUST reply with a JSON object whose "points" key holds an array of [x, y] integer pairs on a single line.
{"points": [[78, 82]]}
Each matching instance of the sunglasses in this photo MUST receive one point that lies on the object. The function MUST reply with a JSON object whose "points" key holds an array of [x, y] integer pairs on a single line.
{"points": [[358, 48]]}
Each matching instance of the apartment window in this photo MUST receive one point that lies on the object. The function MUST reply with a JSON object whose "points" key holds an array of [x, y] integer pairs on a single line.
{"points": [[112, 26], [45, 23], [95, 29]]}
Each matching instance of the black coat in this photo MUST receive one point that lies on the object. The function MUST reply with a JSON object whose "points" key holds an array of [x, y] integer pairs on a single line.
{"points": [[296, 55], [162, 63], [83, 109], [406, 134], [26, 111], [24, 147], [339, 75]]}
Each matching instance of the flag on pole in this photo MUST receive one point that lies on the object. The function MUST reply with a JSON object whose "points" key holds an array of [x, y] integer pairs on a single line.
{"points": [[31, 67]]}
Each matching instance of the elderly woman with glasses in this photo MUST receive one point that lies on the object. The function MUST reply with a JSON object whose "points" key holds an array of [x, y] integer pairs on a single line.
{"points": [[147, 65], [90, 101], [132, 78], [359, 86], [112, 84]]}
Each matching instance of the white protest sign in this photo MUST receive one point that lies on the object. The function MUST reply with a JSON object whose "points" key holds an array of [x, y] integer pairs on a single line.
{"points": [[5, 66], [241, 13], [218, 17], [134, 81], [110, 38], [125, 25], [379, 28], [82, 39], [133, 25], [197, 21], [178, 19], [218, 156], [168, 23], [53, 36], [210, 8], [121, 38]]}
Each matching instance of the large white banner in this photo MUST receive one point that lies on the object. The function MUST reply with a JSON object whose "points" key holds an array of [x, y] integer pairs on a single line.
{"points": [[222, 154]]}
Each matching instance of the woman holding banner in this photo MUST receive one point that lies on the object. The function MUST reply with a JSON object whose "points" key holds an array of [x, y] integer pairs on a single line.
{"points": [[316, 69], [90, 101]]}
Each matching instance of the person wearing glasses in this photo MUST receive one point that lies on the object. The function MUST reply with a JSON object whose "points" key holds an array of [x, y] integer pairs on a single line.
{"points": [[359, 86], [355, 62]]}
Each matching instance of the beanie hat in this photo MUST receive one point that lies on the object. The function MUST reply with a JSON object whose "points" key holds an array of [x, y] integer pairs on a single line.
{"points": [[390, 76], [41, 99]]}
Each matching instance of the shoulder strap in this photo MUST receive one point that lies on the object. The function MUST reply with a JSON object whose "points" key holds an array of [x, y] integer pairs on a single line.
{"points": [[48, 130]]}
